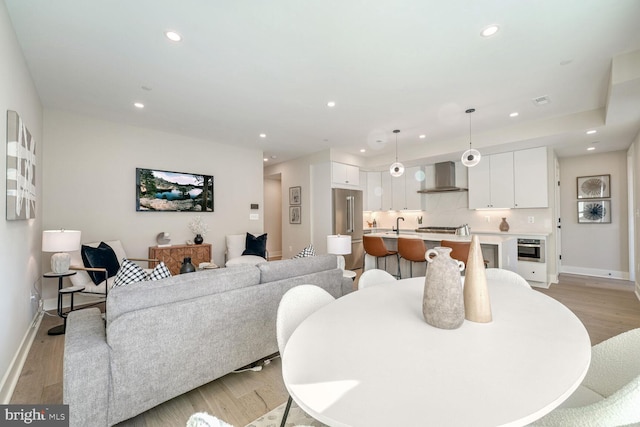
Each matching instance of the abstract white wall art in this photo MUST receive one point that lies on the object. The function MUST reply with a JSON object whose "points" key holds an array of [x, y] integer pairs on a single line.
{"points": [[21, 169]]}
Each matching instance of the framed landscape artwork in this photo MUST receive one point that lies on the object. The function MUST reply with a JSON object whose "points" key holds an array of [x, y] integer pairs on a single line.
{"points": [[594, 187], [594, 212], [165, 191], [21, 169]]}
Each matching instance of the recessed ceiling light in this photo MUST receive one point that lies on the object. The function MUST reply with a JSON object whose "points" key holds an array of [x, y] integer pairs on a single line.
{"points": [[265, 159], [331, 104], [362, 150], [489, 31], [591, 132], [422, 136], [173, 36], [263, 135], [138, 104], [514, 114], [591, 148]]}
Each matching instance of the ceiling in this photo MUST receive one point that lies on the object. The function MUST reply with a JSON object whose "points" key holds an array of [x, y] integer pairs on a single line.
{"points": [[249, 67]]}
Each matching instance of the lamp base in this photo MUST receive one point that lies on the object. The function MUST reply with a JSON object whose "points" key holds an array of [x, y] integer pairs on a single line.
{"points": [[60, 262]]}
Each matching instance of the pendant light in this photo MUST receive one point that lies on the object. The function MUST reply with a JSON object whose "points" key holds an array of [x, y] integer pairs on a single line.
{"points": [[397, 168], [471, 157]]}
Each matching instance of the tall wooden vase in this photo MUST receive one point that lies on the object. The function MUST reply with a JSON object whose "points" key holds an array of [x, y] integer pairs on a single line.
{"points": [[477, 306]]}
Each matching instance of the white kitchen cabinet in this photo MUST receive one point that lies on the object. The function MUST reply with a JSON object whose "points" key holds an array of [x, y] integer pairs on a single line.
{"points": [[533, 271], [398, 192], [387, 190], [374, 192], [414, 177], [530, 178], [343, 174], [491, 182]]}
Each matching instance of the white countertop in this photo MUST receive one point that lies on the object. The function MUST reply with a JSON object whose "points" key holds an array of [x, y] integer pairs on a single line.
{"points": [[435, 237]]}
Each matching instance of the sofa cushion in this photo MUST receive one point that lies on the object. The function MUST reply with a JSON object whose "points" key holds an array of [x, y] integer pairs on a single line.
{"points": [[101, 257], [160, 271], [179, 288], [129, 272], [308, 251], [256, 245], [279, 270]]}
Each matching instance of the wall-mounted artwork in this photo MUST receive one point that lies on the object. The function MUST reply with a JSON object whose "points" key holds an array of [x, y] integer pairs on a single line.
{"points": [[295, 216], [21, 169], [594, 212], [295, 195], [165, 191], [594, 187]]}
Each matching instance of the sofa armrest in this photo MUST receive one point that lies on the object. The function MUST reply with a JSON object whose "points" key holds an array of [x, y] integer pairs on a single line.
{"points": [[86, 368]]}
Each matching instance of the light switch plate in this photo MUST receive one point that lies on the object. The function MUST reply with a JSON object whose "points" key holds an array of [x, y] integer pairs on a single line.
{"points": [[254, 217]]}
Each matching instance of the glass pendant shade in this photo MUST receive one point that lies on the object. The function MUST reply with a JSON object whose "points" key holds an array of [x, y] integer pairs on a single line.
{"points": [[471, 157], [396, 169]]}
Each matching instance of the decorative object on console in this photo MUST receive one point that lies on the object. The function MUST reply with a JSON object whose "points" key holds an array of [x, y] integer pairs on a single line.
{"points": [[21, 169], [471, 157], [163, 239], [199, 228], [594, 212], [504, 225], [158, 190], [187, 267], [477, 305], [396, 169], [443, 302], [594, 187], [256, 245], [62, 242], [295, 195]]}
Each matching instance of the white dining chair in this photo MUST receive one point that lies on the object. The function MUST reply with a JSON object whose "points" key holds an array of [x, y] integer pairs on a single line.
{"points": [[502, 275], [374, 277], [295, 306], [610, 392]]}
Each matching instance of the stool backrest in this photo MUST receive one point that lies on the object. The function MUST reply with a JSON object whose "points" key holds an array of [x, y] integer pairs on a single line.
{"points": [[411, 249], [374, 245]]}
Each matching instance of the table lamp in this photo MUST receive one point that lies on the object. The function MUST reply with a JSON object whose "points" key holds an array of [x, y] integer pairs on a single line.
{"points": [[339, 245], [61, 242]]}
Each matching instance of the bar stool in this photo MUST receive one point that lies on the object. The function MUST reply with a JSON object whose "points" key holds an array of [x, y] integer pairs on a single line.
{"points": [[413, 250], [374, 246], [459, 250]]}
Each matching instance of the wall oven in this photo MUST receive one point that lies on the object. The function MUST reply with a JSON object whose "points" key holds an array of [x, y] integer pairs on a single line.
{"points": [[531, 250]]}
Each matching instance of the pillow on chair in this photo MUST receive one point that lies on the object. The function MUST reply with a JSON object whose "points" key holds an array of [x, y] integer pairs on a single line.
{"points": [[308, 251], [256, 245], [130, 272], [101, 257]]}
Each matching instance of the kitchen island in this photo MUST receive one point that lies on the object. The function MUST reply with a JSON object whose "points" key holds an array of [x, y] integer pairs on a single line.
{"points": [[499, 251]]}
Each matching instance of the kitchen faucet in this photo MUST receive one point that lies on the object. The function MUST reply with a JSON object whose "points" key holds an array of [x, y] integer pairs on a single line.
{"points": [[397, 229]]}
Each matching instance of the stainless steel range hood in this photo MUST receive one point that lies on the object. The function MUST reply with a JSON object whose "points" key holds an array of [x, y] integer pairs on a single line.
{"points": [[445, 179]]}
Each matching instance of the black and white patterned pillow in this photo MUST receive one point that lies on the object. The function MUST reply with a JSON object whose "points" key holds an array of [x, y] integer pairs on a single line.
{"points": [[308, 251], [129, 272], [160, 272]]}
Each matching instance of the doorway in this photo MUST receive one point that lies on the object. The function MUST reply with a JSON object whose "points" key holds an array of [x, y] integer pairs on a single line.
{"points": [[273, 215]]}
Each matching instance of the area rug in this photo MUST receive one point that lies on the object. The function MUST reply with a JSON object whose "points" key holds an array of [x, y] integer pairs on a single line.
{"points": [[297, 418]]}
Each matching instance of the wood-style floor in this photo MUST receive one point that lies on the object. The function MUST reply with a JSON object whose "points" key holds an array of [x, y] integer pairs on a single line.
{"points": [[606, 307]]}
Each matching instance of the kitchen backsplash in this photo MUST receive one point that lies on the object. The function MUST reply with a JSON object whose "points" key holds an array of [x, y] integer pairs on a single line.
{"points": [[451, 210]]}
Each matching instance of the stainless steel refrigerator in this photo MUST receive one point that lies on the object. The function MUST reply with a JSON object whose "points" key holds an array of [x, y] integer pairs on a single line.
{"points": [[347, 220]]}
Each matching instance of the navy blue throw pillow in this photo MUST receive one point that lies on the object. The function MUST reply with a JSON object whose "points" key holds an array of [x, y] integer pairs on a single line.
{"points": [[256, 245], [101, 257]]}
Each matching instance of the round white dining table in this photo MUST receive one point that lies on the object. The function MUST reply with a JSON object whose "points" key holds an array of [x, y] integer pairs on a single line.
{"points": [[370, 359]]}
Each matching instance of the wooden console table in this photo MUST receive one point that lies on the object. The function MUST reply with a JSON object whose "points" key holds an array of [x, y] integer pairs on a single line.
{"points": [[174, 255]]}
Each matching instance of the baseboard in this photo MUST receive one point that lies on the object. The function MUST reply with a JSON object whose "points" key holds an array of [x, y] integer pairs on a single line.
{"points": [[10, 379], [621, 275]]}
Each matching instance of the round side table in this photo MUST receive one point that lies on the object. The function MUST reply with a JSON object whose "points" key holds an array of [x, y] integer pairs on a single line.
{"points": [[59, 330]]}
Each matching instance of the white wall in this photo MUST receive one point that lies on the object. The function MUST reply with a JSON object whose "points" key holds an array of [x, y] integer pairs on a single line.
{"points": [[635, 172], [273, 214], [89, 183], [583, 244], [20, 241]]}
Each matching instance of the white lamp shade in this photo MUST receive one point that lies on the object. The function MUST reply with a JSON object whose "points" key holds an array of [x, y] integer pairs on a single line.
{"points": [[338, 245], [60, 240]]}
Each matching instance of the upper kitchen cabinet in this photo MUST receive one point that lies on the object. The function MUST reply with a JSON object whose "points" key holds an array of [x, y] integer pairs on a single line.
{"points": [[510, 180], [530, 178], [343, 175], [491, 182], [407, 187], [374, 192]]}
